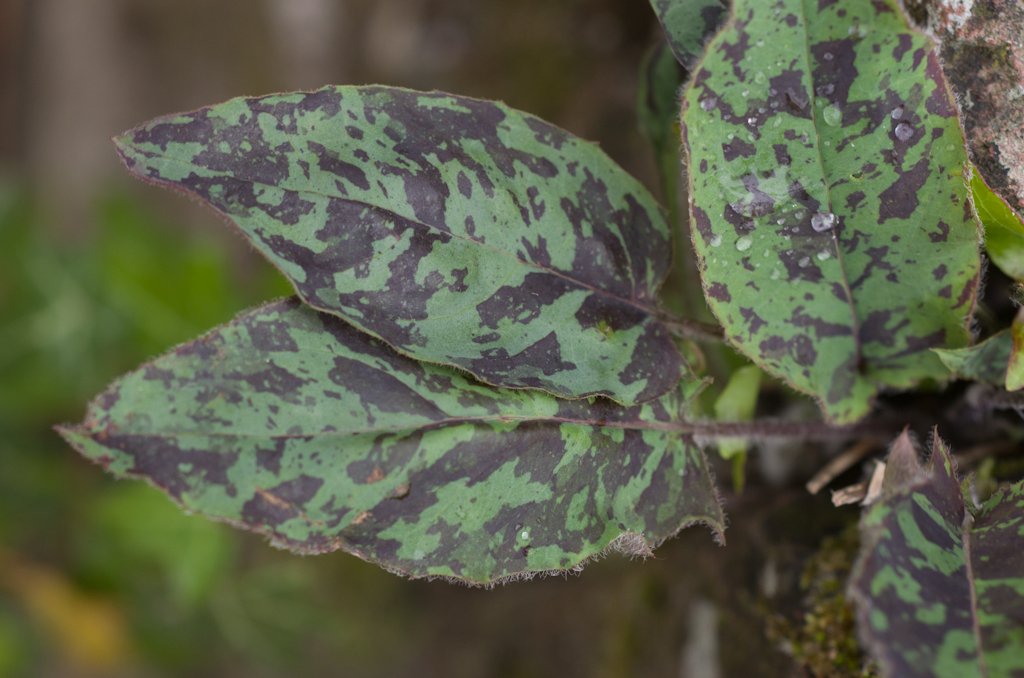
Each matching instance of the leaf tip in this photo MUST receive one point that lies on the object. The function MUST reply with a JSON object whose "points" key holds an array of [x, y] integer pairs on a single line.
{"points": [[902, 468]]}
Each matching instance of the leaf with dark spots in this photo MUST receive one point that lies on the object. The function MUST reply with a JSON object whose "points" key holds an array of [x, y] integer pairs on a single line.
{"points": [[985, 362], [939, 584], [408, 214], [850, 196], [411, 465], [689, 24]]}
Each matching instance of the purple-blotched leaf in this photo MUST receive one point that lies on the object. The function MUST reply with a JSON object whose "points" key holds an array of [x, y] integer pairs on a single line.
{"points": [[295, 424], [939, 586], [459, 231], [688, 24], [828, 200]]}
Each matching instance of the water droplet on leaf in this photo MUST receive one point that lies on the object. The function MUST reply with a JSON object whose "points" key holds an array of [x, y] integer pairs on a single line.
{"points": [[804, 263], [904, 131], [897, 112], [827, 56], [822, 221], [746, 92], [743, 244], [825, 90], [709, 103], [760, 77], [833, 116], [751, 121], [824, 256], [715, 241]]}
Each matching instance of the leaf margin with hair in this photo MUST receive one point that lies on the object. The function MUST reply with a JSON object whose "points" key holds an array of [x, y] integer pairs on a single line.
{"points": [[248, 425], [912, 575], [688, 24], [459, 231], [880, 339]]}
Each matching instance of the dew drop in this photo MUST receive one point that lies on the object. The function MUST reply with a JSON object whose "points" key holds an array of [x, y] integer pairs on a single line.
{"points": [[777, 12], [751, 121], [715, 241], [766, 253], [904, 131], [762, 110], [774, 104], [744, 243], [824, 256], [827, 56], [822, 221], [828, 143], [760, 43], [820, 102], [778, 121], [778, 63], [780, 222], [746, 92], [950, 147], [730, 136], [775, 274], [709, 104], [772, 92], [804, 263], [897, 112], [825, 90], [833, 116], [760, 77], [799, 214], [525, 534], [751, 137], [726, 117]]}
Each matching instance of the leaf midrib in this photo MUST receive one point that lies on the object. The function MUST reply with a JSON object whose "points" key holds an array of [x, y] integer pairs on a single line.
{"points": [[854, 324]]}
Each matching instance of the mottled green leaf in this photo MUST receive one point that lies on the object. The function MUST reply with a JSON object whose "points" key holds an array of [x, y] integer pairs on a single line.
{"points": [[459, 231], [939, 586], [295, 424], [689, 24], [828, 197], [985, 362], [1015, 365], [1004, 231]]}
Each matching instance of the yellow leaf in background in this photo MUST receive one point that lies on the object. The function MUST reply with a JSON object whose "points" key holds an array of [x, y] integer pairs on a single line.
{"points": [[89, 631]]}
